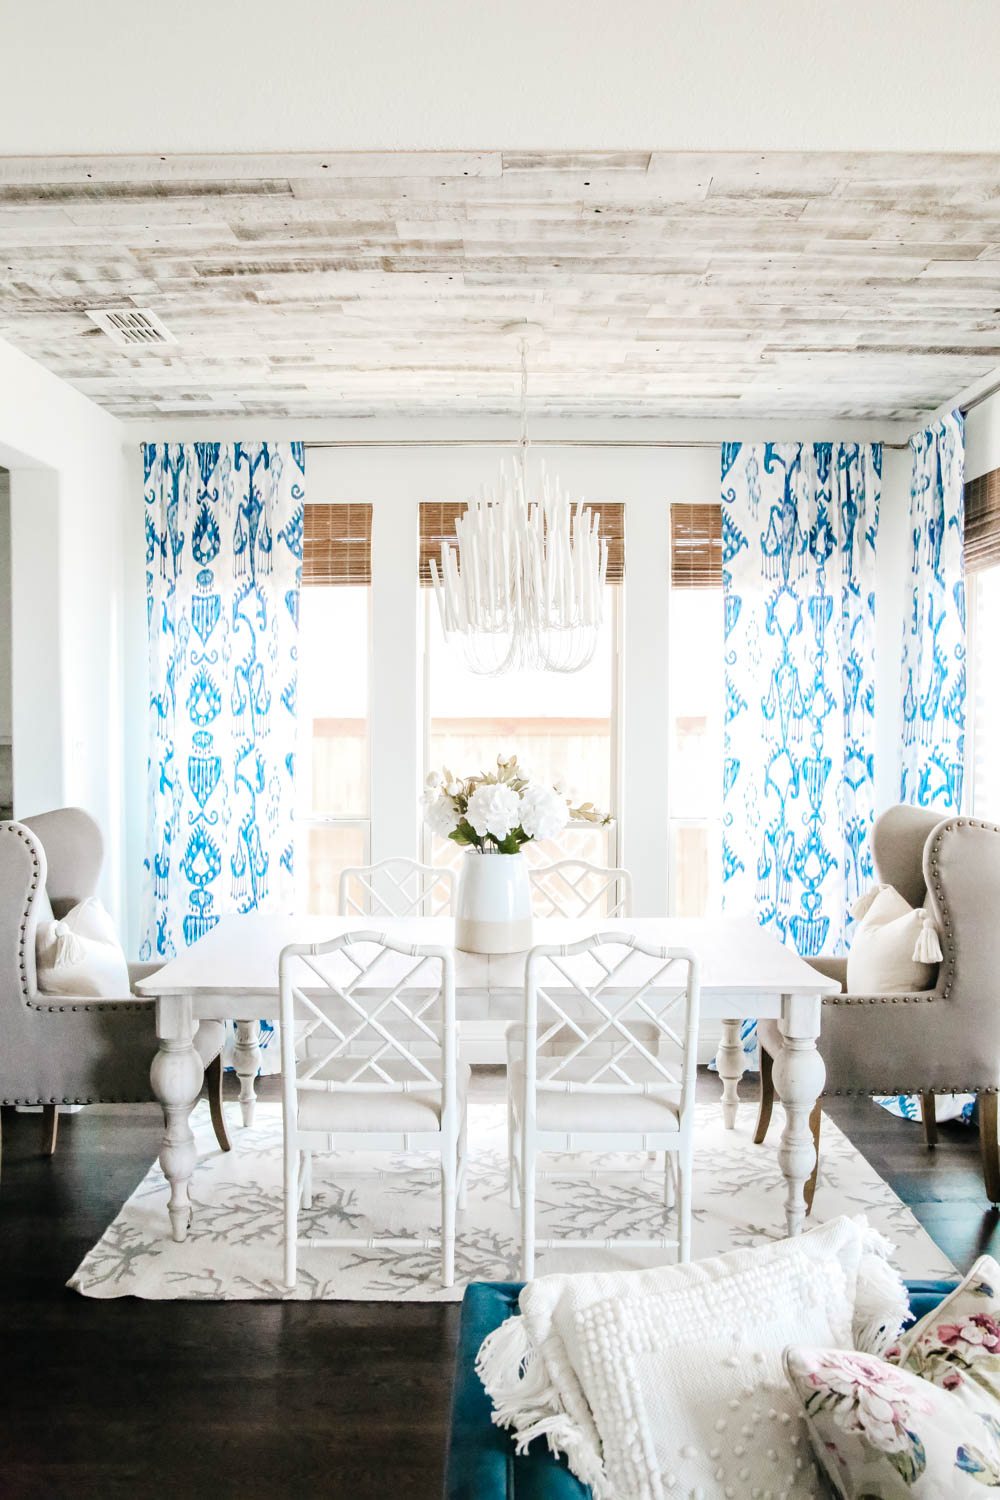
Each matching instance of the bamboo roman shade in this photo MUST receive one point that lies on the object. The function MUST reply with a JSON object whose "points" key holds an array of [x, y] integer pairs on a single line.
{"points": [[437, 525], [337, 545], [696, 546], [982, 522]]}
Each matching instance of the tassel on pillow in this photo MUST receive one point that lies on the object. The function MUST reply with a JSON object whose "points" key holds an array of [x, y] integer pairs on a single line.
{"points": [[863, 903], [928, 945]]}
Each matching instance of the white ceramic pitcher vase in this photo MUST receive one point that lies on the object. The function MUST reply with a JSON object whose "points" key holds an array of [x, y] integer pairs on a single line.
{"points": [[493, 905]]}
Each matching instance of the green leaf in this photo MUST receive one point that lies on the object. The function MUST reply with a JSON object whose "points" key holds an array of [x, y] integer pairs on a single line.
{"points": [[912, 1463]]}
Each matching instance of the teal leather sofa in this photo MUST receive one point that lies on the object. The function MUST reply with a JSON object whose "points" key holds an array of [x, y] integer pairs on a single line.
{"points": [[482, 1464]]}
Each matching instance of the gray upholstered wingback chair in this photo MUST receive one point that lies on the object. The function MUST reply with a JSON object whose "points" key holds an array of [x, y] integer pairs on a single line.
{"points": [[55, 1049], [945, 1040]]}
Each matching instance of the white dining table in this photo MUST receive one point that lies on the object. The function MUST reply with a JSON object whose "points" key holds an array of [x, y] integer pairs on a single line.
{"points": [[231, 974]]}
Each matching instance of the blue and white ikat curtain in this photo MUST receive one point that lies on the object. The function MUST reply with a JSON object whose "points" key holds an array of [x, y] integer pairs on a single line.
{"points": [[934, 664], [224, 526], [934, 667], [800, 523]]}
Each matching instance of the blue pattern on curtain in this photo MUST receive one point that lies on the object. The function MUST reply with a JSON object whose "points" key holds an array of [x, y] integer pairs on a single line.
{"points": [[934, 664], [934, 668], [224, 527], [800, 523]]}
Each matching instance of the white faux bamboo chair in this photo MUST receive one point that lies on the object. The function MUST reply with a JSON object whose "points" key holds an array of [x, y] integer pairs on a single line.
{"points": [[369, 1051], [396, 888], [577, 888], [604, 1061]]}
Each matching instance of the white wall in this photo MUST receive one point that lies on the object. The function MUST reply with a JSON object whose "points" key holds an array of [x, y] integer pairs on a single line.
{"points": [[245, 75], [982, 438], [4, 605], [396, 479], [68, 501]]}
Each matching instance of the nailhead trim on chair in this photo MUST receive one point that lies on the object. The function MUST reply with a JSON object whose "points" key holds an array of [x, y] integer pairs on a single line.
{"points": [[74, 1007], [19, 832], [104, 1099], [918, 997], [115, 1005], [908, 1088], [946, 975]]}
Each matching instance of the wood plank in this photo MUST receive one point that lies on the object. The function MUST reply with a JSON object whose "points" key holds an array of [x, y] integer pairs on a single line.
{"points": [[302, 165], [791, 283]]}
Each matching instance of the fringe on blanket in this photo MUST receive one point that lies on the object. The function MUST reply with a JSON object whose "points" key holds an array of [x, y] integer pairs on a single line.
{"points": [[524, 1400], [881, 1304]]}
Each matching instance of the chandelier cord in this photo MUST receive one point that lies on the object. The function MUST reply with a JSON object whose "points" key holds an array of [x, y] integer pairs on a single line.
{"points": [[523, 440], [523, 589]]}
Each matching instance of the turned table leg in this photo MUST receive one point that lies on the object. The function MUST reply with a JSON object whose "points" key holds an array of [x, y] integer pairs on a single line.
{"points": [[729, 1060], [799, 1075], [176, 1075], [247, 1064]]}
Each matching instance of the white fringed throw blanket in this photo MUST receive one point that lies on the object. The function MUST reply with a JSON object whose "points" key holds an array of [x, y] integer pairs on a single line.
{"points": [[669, 1382]]}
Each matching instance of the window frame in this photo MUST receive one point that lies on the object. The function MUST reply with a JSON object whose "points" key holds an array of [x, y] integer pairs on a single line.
{"points": [[305, 819], [972, 670], [615, 841], [677, 821]]}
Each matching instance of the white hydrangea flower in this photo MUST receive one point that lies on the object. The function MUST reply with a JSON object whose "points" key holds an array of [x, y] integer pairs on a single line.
{"points": [[543, 812], [432, 780], [494, 809], [440, 814]]}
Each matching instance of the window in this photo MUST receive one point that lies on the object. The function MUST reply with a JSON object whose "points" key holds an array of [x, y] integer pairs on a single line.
{"points": [[560, 726], [333, 772], [696, 697], [982, 562]]}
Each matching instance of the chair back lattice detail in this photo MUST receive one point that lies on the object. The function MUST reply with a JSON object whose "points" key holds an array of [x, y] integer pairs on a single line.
{"points": [[577, 888], [380, 1019], [396, 888], [611, 1013]]}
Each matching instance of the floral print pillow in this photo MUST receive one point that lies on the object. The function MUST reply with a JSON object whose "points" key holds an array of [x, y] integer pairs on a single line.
{"points": [[957, 1344], [883, 1433]]}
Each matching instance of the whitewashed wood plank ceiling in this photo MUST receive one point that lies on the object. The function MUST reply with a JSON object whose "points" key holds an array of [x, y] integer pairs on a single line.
{"points": [[737, 284]]}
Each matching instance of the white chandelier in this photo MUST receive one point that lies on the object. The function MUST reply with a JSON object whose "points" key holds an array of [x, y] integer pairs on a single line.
{"points": [[524, 589]]}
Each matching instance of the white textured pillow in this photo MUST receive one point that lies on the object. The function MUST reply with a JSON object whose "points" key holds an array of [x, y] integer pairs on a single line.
{"points": [[81, 955], [670, 1381], [888, 944]]}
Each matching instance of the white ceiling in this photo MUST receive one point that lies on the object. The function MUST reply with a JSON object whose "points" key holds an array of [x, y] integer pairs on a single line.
{"points": [[668, 284], [252, 75]]}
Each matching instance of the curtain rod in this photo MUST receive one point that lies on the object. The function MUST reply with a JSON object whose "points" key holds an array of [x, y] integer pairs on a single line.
{"points": [[535, 443]]}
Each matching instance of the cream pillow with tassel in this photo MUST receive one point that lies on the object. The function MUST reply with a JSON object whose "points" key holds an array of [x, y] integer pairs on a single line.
{"points": [[896, 948]]}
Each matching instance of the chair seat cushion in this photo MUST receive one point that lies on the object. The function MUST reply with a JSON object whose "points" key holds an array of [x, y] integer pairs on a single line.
{"points": [[376, 1112], [606, 1111]]}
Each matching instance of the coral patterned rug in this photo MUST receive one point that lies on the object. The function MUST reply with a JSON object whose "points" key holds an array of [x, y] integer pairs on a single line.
{"points": [[233, 1250]]}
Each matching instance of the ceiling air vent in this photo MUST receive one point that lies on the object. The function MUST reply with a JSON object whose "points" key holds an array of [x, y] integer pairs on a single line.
{"points": [[128, 326]]}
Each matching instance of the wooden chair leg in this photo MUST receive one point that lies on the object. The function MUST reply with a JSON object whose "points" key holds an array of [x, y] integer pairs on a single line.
{"points": [[213, 1083], [928, 1114], [988, 1146], [50, 1129], [809, 1191], [766, 1096]]}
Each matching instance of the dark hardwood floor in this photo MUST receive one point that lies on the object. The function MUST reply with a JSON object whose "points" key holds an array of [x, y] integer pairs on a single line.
{"points": [[177, 1399]]}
